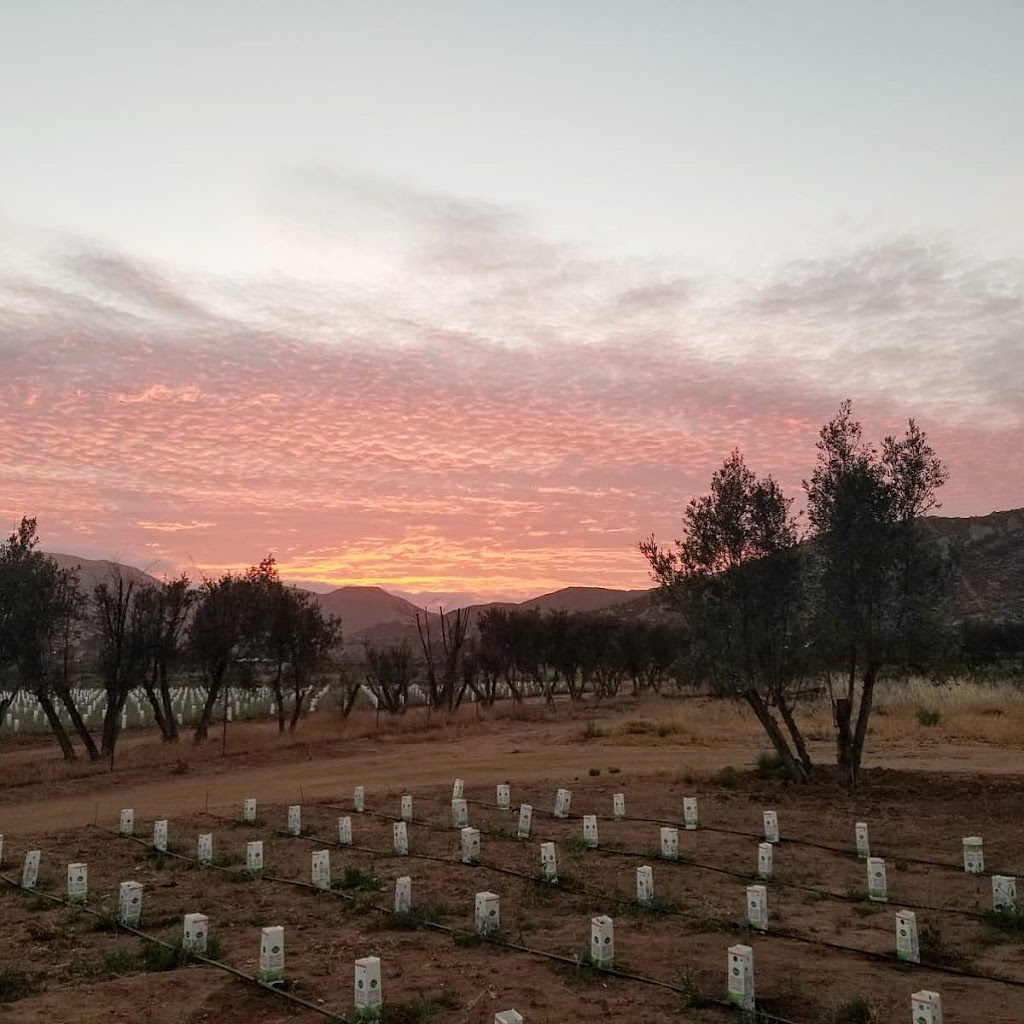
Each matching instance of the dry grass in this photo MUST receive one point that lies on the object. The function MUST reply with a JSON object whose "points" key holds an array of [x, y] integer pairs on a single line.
{"points": [[967, 711], [960, 710], [30, 760]]}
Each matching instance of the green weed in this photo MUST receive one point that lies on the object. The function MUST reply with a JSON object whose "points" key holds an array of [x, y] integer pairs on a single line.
{"points": [[857, 1010], [16, 984]]}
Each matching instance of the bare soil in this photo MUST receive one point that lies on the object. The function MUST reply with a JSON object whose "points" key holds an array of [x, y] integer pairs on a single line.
{"points": [[920, 799]]}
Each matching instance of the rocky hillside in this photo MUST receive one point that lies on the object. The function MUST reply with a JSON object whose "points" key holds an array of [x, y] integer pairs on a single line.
{"points": [[988, 555]]}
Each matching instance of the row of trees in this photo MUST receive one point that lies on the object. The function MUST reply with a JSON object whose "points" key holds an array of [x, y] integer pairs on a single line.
{"points": [[247, 629], [767, 614], [518, 651], [238, 629]]}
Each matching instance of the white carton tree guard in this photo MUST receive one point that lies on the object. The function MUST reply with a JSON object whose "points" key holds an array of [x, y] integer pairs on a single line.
{"points": [[691, 817], [907, 947], [670, 844], [194, 933], [368, 994], [602, 942], [525, 820], [741, 977], [271, 968], [488, 913]]}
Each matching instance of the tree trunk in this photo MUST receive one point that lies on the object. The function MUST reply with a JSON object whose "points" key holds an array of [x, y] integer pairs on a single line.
{"points": [[794, 769], [202, 729], [279, 698], [349, 695], [5, 703], [168, 704], [111, 724], [59, 732], [796, 735], [155, 704], [300, 696], [79, 723], [844, 742], [863, 717]]}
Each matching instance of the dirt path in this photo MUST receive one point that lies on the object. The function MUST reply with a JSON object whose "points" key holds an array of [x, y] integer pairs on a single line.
{"points": [[522, 756]]}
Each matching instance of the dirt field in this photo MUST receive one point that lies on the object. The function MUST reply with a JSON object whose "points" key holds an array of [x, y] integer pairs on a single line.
{"points": [[930, 787]]}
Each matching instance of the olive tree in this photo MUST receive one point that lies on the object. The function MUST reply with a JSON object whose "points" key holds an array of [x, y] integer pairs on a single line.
{"points": [[735, 575], [877, 579]]}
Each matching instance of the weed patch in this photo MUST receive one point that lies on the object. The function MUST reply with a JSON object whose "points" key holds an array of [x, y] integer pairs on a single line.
{"points": [[16, 984], [855, 1011], [356, 880], [420, 1010], [1006, 921]]}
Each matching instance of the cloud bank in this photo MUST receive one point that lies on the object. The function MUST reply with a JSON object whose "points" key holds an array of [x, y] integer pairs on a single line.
{"points": [[432, 395]]}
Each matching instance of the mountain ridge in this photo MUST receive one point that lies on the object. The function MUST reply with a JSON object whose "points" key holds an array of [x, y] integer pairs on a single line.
{"points": [[987, 552]]}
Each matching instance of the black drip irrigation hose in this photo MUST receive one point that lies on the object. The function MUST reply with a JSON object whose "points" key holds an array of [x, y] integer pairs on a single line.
{"points": [[198, 957], [436, 926], [785, 840], [886, 958], [687, 862]]}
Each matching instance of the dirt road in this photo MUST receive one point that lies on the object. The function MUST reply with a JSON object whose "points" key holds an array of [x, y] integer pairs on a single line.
{"points": [[523, 755]]}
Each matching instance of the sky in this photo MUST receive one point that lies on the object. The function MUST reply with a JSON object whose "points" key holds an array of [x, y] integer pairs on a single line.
{"points": [[465, 299]]}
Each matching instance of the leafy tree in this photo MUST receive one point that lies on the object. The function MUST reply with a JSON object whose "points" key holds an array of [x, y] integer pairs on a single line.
{"points": [[285, 630], [39, 602], [312, 636], [164, 610], [878, 579], [216, 637], [119, 627], [736, 577]]}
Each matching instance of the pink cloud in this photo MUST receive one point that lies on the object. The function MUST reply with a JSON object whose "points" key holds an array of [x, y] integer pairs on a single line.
{"points": [[373, 443]]}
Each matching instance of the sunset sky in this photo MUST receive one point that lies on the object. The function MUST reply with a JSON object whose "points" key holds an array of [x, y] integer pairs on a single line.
{"points": [[464, 299]]}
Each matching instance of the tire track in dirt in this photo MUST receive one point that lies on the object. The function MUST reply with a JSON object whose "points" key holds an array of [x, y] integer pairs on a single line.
{"points": [[480, 760]]}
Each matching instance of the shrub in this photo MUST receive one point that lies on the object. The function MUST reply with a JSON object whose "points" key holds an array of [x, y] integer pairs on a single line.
{"points": [[928, 716], [934, 950], [855, 1011], [163, 958], [1005, 920], [728, 777], [421, 1010], [769, 764], [16, 984], [357, 878]]}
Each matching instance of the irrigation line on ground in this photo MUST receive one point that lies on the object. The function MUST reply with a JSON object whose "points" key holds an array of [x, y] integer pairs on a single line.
{"points": [[199, 957], [785, 840], [881, 957], [434, 925], [687, 862], [886, 958]]}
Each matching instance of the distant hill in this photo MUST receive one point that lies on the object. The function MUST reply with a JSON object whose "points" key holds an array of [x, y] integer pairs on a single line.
{"points": [[360, 608], [99, 570], [987, 553], [581, 599]]}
